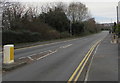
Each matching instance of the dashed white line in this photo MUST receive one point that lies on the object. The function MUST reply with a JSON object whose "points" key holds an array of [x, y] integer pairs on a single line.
{"points": [[38, 53], [30, 58], [43, 56], [50, 51], [32, 55], [47, 55], [47, 44], [21, 57], [66, 46]]}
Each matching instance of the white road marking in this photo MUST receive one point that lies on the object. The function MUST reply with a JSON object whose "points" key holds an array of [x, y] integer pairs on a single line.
{"points": [[50, 51], [46, 44], [37, 53], [30, 58], [61, 47], [87, 74], [47, 55], [66, 46], [21, 63], [21, 57], [32, 55]]}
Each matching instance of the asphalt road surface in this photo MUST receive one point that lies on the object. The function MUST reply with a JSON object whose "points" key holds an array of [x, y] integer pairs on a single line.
{"points": [[104, 65], [59, 66]]}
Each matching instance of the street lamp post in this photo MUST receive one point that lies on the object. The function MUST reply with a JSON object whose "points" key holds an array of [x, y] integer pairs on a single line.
{"points": [[117, 14]]}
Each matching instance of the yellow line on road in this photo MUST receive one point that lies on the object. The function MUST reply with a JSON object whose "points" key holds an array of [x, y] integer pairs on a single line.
{"points": [[84, 61], [71, 78], [79, 73]]}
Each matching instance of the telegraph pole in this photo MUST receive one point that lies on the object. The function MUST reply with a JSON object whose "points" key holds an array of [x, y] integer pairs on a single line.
{"points": [[117, 14]]}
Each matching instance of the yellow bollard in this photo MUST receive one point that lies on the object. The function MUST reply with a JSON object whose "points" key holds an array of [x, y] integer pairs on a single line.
{"points": [[8, 54]]}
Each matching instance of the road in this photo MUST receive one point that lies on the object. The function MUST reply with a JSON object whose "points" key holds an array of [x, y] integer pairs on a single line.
{"points": [[104, 65], [59, 66]]}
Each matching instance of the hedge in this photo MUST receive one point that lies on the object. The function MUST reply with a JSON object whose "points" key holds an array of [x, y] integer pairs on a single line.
{"points": [[11, 37]]}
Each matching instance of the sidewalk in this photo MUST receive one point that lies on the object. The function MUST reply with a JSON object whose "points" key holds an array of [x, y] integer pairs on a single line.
{"points": [[104, 66]]}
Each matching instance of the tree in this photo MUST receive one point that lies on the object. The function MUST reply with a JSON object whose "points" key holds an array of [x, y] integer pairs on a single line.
{"points": [[1, 10], [78, 28], [12, 14], [90, 25], [56, 18], [77, 12]]}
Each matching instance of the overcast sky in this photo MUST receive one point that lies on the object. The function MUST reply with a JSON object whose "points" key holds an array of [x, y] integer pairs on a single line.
{"points": [[104, 11]]}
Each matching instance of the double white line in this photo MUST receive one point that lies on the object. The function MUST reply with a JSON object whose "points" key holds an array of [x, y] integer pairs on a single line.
{"points": [[75, 76]]}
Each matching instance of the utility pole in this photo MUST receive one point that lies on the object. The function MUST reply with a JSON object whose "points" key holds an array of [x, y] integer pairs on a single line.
{"points": [[117, 15]]}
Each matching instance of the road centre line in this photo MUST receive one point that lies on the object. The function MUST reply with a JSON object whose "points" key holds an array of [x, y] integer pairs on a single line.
{"points": [[50, 51], [47, 54], [44, 44], [47, 44], [38, 53], [40, 57], [65, 46], [21, 57], [30, 58], [46, 51], [34, 54], [84, 61]]}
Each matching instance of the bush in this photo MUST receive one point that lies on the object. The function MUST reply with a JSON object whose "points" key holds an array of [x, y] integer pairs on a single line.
{"points": [[11, 37], [53, 34], [77, 28], [64, 35]]}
